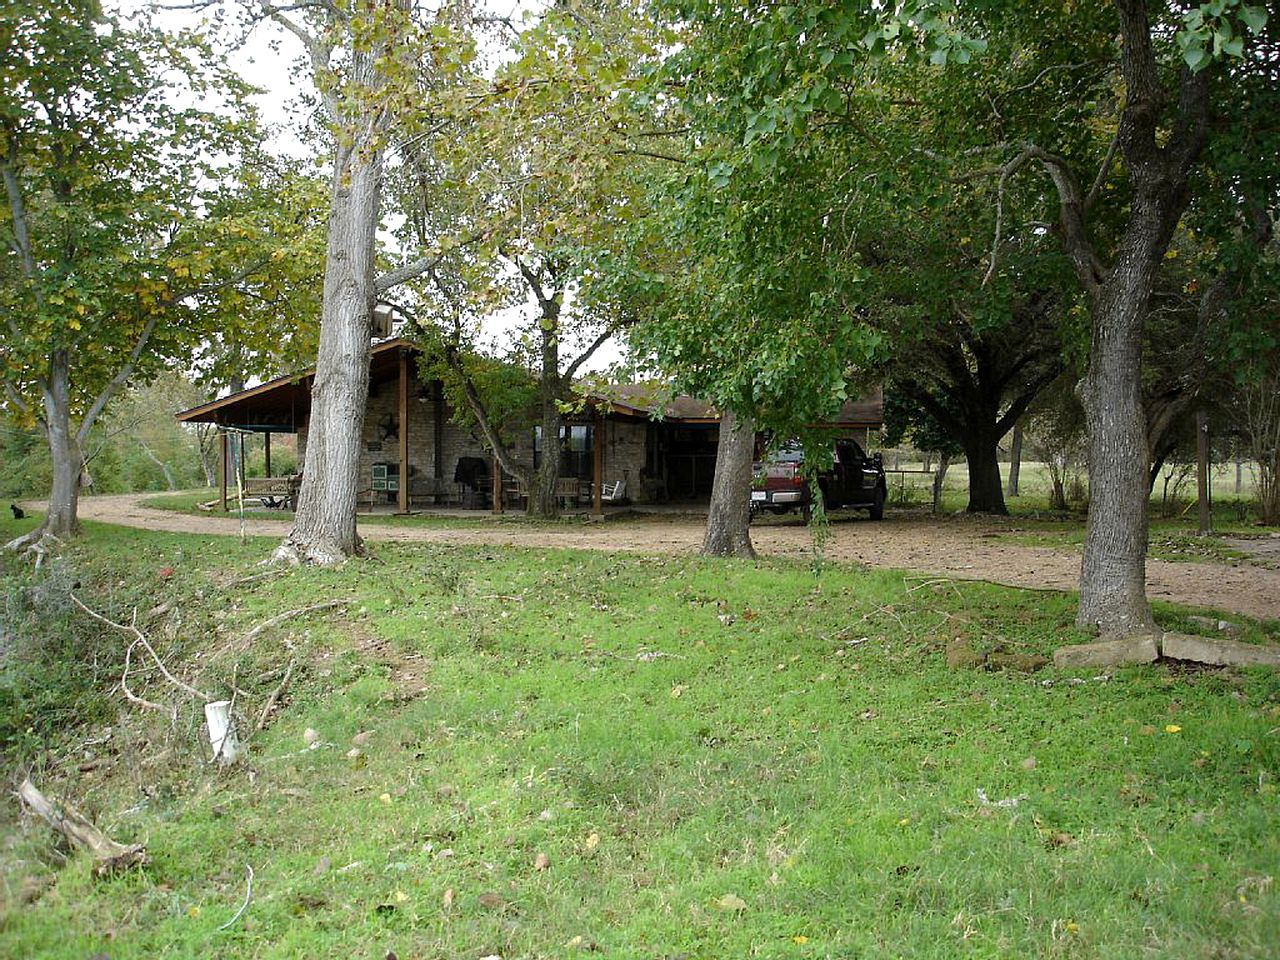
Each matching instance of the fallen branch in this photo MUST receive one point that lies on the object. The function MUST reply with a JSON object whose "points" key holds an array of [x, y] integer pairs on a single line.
{"points": [[932, 582], [142, 641], [276, 694], [280, 618], [256, 578], [109, 856], [134, 698]]}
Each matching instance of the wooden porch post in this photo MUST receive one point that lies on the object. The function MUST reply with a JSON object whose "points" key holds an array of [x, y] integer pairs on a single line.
{"points": [[224, 458], [1202, 472], [498, 505], [404, 432], [597, 467], [266, 451], [438, 439]]}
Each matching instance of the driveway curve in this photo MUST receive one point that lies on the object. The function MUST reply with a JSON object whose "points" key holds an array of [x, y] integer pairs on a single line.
{"points": [[961, 548]]}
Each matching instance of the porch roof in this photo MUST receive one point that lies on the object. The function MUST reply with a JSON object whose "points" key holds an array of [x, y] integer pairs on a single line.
{"points": [[282, 405], [641, 400]]}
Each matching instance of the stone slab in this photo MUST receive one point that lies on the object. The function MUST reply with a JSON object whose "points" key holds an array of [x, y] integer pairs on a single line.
{"points": [[1218, 652], [1109, 653]]}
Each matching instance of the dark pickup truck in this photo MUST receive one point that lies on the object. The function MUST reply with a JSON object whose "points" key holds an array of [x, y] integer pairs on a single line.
{"points": [[853, 480]]}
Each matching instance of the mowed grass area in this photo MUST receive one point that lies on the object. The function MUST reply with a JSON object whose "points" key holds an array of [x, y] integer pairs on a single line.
{"points": [[561, 753]]}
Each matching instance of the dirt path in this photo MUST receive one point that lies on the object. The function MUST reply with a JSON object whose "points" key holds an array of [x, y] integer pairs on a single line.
{"points": [[969, 549]]}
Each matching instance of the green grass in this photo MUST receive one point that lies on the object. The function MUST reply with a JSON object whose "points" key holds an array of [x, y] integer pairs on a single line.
{"points": [[796, 775]]}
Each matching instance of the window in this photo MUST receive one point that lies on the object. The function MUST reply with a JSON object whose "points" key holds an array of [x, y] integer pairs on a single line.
{"points": [[576, 448]]}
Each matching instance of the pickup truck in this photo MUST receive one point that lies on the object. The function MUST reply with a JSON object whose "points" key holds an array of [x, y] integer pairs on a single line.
{"points": [[853, 480]]}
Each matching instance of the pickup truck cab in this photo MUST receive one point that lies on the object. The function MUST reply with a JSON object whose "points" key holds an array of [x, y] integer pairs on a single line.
{"points": [[853, 480]]}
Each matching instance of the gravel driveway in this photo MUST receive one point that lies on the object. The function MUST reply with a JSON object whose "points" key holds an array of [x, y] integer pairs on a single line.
{"points": [[964, 548]]}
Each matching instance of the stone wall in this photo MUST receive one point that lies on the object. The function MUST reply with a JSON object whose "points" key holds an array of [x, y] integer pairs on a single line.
{"points": [[381, 439], [624, 441], [624, 457]]}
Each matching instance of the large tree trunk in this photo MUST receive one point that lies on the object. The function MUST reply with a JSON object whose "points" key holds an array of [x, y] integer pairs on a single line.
{"points": [[62, 519], [1113, 578], [1159, 159], [986, 492], [324, 529], [729, 518], [543, 501], [1015, 460]]}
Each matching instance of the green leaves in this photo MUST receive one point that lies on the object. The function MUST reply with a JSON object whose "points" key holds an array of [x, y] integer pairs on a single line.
{"points": [[108, 185], [1213, 31]]}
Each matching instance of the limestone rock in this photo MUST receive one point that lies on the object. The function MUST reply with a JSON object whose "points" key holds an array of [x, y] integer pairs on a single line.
{"points": [[1218, 652], [1139, 648]]}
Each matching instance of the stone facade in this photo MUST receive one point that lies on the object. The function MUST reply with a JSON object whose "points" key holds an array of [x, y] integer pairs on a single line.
{"points": [[624, 441]]}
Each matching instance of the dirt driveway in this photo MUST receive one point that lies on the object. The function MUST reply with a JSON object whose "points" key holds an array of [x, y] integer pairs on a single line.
{"points": [[964, 548]]}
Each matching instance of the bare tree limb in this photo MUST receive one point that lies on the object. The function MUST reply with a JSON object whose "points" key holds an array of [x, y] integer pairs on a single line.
{"points": [[586, 355], [276, 694], [119, 380], [1103, 170], [288, 614], [108, 855], [1006, 172], [422, 265], [142, 640]]}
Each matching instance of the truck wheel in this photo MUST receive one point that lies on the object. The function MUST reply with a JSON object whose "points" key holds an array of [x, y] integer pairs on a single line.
{"points": [[877, 505]]}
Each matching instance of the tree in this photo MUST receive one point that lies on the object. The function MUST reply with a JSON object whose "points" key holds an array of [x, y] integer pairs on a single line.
{"points": [[372, 66], [541, 179], [1032, 90], [1260, 416], [728, 532], [104, 237]]}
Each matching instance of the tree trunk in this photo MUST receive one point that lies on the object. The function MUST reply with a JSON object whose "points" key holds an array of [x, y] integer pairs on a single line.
{"points": [[205, 435], [1057, 475], [986, 492], [324, 529], [1113, 572], [62, 519], [729, 517], [1015, 460], [1159, 153], [939, 477], [543, 501]]}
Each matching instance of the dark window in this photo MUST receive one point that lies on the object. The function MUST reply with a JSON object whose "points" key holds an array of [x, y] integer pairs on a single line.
{"points": [[576, 448]]}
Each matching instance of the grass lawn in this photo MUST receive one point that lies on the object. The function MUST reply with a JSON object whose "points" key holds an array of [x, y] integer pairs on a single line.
{"points": [[536, 754]]}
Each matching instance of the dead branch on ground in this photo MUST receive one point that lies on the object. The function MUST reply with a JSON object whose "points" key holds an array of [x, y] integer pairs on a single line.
{"points": [[141, 640], [109, 856], [276, 694], [288, 614]]}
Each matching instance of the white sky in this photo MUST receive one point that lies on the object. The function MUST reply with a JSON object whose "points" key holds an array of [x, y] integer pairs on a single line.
{"points": [[266, 60]]}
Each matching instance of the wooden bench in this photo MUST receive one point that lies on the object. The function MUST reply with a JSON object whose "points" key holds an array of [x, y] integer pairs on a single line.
{"points": [[276, 492]]}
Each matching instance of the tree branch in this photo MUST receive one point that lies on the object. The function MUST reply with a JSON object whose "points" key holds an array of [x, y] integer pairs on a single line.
{"points": [[422, 265], [586, 355], [1101, 178], [122, 376]]}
